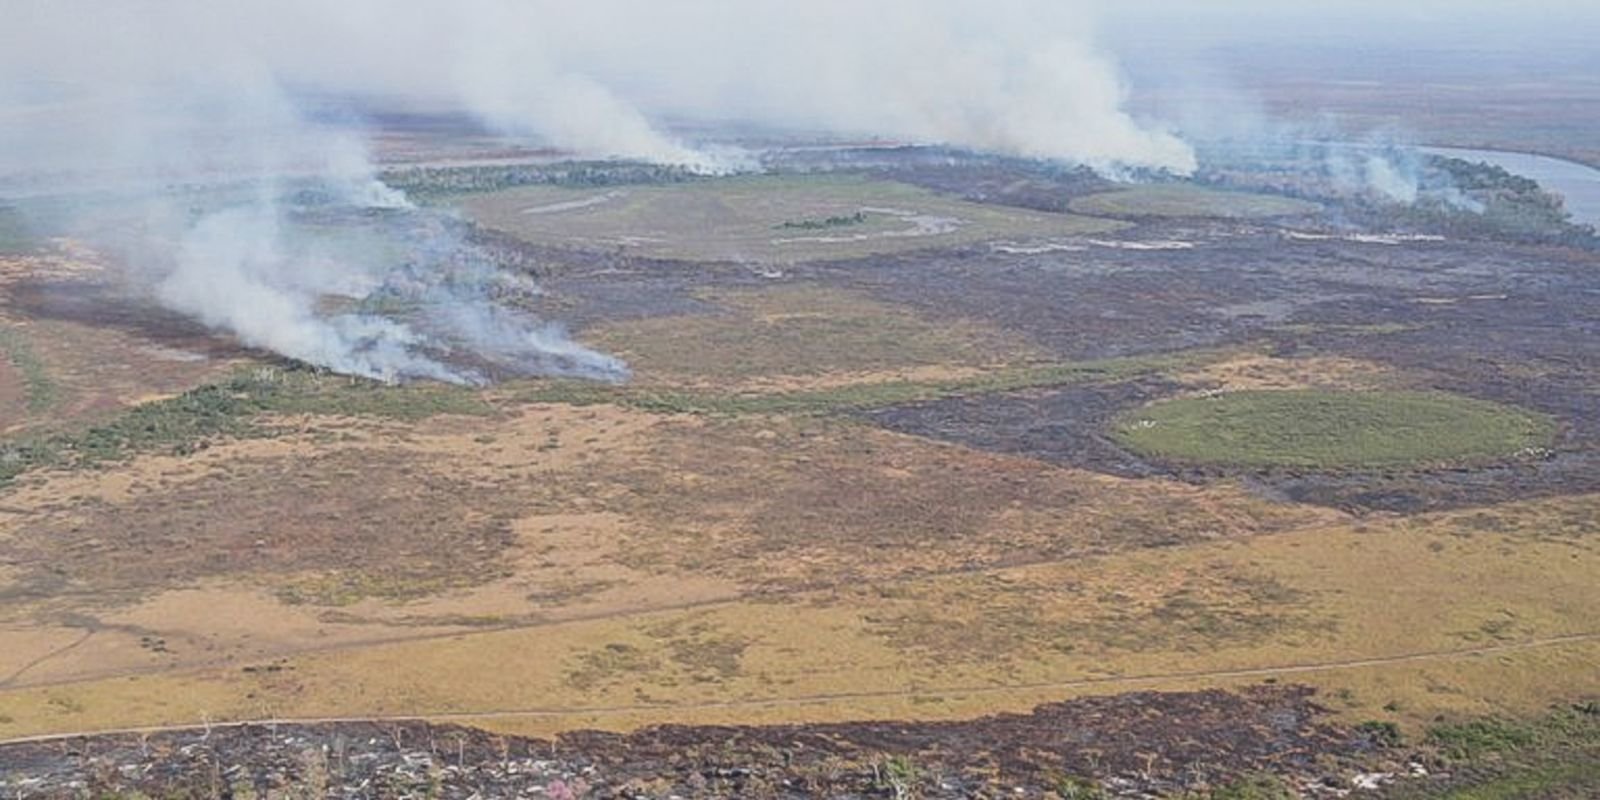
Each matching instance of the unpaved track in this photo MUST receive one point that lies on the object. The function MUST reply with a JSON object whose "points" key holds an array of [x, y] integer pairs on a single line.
{"points": [[1128, 681]]}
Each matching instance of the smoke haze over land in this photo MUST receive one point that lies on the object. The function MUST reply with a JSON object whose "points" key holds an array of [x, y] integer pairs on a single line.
{"points": [[145, 96], [151, 99], [1021, 76]]}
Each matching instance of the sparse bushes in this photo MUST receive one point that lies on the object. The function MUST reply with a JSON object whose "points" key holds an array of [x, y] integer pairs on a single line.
{"points": [[840, 221], [1469, 740], [232, 408], [426, 183], [41, 390]]}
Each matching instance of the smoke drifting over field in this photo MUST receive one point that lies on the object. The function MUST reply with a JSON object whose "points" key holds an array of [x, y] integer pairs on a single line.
{"points": [[145, 96], [151, 99], [1015, 76]]}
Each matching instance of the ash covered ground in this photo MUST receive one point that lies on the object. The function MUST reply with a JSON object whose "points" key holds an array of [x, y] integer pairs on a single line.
{"points": [[1139, 744]]}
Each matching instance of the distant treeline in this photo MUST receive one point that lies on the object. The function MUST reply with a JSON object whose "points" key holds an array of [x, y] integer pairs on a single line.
{"points": [[821, 224], [423, 183], [1509, 207], [1458, 198], [1035, 184]]}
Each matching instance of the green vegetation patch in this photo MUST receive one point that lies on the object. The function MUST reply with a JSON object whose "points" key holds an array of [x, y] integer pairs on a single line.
{"points": [[15, 236], [1188, 200], [1332, 429], [41, 390], [231, 409], [1557, 756], [743, 219], [839, 221], [434, 184], [1475, 738], [858, 396]]}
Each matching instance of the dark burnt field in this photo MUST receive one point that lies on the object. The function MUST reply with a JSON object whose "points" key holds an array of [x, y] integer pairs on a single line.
{"points": [[1139, 743], [1510, 323]]}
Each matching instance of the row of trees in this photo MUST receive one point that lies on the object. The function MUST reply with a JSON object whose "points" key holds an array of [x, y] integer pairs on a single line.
{"points": [[423, 183]]}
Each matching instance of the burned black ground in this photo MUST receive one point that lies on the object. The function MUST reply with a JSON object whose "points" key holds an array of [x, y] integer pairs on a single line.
{"points": [[1135, 743], [1503, 322]]}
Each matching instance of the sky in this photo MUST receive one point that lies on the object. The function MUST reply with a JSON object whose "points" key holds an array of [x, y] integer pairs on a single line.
{"points": [[1533, 26]]}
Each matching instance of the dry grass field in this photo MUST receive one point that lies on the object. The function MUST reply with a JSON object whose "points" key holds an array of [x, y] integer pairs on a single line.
{"points": [[762, 220], [744, 533], [1184, 200]]}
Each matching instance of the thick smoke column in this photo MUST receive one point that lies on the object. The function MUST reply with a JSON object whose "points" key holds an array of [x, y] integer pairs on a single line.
{"points": [[151, 99], [208, 182], [1013, 76]]}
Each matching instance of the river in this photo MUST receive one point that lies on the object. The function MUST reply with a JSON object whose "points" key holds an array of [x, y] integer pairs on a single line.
{"points": [[1578, 184]]}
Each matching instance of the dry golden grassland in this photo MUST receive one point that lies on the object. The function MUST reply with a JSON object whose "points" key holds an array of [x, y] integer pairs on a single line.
{"points": [[532, 566], [798, 336], [1314, 605]]}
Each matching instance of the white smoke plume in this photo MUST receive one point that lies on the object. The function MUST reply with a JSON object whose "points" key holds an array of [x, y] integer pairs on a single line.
{"points": [[199, 167], [151, 98], [1014, 76], [1229, 128]]}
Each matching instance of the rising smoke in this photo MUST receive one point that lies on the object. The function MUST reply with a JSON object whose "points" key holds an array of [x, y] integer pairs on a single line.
{"points": [[1013, 76], [153, 98]]}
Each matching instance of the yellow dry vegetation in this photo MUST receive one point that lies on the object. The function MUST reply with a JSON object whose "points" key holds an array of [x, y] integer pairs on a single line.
{"points": [[803, 337], [1394, 619], [543, 566], [537, 515], [548, 566], [1259, 371]]}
